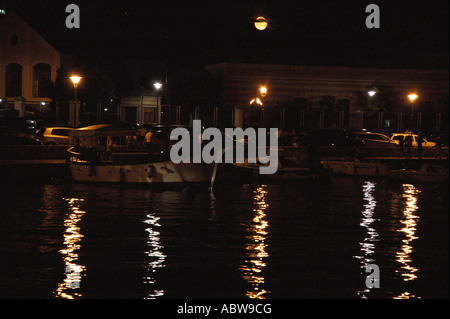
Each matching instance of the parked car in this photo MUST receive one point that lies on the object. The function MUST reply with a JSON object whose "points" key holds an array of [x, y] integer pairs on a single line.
{"points": [[54, 135], [373, 139], [10, 137], [396, 137], [20, 125], [335, 138]]}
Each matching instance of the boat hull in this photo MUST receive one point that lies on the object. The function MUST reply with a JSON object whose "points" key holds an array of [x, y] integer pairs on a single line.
{"points": [[417, 177], [283, 173], [356, 168], [145, 173]]}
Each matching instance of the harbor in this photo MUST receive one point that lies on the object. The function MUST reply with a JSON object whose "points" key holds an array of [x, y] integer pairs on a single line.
{"points": [[226, 159]]}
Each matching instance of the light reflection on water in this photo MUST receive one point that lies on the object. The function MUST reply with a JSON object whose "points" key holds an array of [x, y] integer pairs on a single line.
{"points": [[69, 288], [367, 245], [155, 254], [410, 223], [73, 239], [256, 246]]}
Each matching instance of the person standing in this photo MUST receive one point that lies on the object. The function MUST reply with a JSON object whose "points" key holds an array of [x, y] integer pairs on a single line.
{"points": [[419, 145], [408, 144], [401, 143], [148, 140]]}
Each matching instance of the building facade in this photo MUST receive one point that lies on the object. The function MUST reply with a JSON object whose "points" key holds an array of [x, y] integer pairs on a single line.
{"points": [[314, 96], [28, 66], [140, 108]]}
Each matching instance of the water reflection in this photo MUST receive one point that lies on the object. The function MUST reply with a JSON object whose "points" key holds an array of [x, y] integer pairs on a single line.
{"points": [[409, 221], [155, 254], [69, 288], [367, 245], [256, 247]]}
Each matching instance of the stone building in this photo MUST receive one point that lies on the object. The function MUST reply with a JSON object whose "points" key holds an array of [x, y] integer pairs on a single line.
{"points": [[315, 96], [28, 66]]}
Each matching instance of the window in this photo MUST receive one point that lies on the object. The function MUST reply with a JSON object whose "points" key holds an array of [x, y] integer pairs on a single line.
{"points": [[13, 80], [41, 80], [378, 137], [61, 132]]}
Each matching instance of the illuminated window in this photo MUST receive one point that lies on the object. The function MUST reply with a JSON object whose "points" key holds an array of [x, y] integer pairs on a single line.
{"points": [[13, 80], [41, 80]]}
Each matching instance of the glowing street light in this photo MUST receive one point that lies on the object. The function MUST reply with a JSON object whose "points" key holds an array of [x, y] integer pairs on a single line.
{"points": [[256, 100], [157, 85], [412, 97], [371, 93], [75, 80], [263, 91]]}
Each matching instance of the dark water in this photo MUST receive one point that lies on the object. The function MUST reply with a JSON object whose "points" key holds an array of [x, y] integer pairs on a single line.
{"points": [[260, 240]]}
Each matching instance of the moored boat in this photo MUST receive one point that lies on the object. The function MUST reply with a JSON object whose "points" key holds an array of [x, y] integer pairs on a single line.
{"points": [[282, 173], [425, 174], [355, 167], [103, 154]]}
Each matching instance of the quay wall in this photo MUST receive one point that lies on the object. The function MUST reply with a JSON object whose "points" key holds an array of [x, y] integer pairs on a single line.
{"points": [[28, 152], [57, 152]]}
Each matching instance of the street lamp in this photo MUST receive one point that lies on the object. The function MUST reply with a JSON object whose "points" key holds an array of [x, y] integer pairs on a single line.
{"points": [[372, 93], [158, 86], [263, 91], [75, 80], [74, 105], [412, 98]]}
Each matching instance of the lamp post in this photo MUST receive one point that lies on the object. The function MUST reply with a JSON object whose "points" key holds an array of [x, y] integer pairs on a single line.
{"points": [[158, 86], [74, 105], [370, 105], [412, 98], [75, 80], [258, 101]]}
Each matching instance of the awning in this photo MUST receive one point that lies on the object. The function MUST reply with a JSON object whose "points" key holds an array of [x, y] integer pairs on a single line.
{"points": [[101, 130]]}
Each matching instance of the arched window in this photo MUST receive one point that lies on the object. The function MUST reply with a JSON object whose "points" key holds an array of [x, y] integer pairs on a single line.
{"points": [[13, 80], [41, 80]]}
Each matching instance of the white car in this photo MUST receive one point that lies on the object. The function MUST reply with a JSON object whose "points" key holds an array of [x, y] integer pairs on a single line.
{"points": [[396, 137], [54, 135], [375, 139]]}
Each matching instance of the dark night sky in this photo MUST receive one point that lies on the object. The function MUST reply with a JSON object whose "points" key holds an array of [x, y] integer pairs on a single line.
{"points": [[413, 34]]}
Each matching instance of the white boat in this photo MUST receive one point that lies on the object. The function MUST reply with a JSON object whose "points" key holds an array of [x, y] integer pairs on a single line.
{"points": [[90, 160], [425, 174], [355, 167]]}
